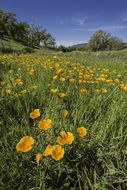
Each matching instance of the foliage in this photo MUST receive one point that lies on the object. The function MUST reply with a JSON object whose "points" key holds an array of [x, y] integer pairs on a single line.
{"points": [[103, 41], [29, 35], [62, 48], [115, 43], [82, 48], [7, 23], [27, 50], [99, 40], [70, 48]]}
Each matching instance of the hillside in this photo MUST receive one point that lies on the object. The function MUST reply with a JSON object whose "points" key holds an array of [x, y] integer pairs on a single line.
{"points": [[9, 45], [12, 46], [78, 45]]}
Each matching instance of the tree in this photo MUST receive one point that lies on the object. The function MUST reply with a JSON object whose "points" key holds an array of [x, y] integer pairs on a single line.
{"points": [[22, 32], [62, 48], [7, 24], [48, 40], [28, 34], [99, 40], [115, 43], [34, 35], [2, 26]]}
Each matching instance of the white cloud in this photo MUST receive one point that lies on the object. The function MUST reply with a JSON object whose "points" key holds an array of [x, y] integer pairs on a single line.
{"points": [[85, 29], [108, 28], [80, 21], [68, 43], [115, 27], [61, 21], [125, 19]]}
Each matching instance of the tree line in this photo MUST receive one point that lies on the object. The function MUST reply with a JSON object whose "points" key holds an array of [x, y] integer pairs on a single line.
{"points": [[102, 40], [34, 36], [99, 41], [29, 35]]}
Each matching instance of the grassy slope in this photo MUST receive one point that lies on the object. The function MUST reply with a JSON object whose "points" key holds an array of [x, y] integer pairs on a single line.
{"points": [[109, 59], [9, 43], [15, 46]]}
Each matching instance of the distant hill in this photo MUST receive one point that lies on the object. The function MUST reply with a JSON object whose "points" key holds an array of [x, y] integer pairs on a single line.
{"points": [[79, 45]]}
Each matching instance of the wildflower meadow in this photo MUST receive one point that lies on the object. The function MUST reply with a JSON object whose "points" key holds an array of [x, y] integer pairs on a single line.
{"points": [[63, 122]]}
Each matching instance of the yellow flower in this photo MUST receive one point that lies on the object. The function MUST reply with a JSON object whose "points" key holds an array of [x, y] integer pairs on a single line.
{"points": [[79, 81], [62, 79], [35, 114], [65, 138], [90, 82], [100, 79], [71, 80], [20, 83], [86, 76], [57, 65], [91, 71], [116, 80], [14, 84], [23, 91], [8, 91], [2, 83], [31, 72], [65, 113], [121, 85], [97, 90], [47, 152], [61, 95], [16, 95], [58, 71], [104, 90], [11, 71], [108, 81], [38, 156], [124, 88], [71, 74], [83, 91], [24, 144], [55, 77], [33, 87], [54, 91], [80, 73], [81, 131], [45, 124], [57, 152]]}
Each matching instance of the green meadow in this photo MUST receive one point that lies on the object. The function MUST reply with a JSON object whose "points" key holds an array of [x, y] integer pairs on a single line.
{"points": [[92, 88]]}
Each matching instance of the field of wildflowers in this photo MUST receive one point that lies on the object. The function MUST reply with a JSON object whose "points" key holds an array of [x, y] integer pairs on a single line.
{"points": [[63, 123]]}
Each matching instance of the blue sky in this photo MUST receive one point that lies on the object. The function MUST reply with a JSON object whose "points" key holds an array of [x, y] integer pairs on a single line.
{"points": [[72, 21]]}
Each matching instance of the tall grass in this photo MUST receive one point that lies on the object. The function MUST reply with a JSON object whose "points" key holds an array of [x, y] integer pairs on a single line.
{"points": [[95, 161]]}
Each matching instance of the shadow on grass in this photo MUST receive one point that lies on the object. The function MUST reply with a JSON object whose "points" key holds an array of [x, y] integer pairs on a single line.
{"points": [[10, 50]]}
